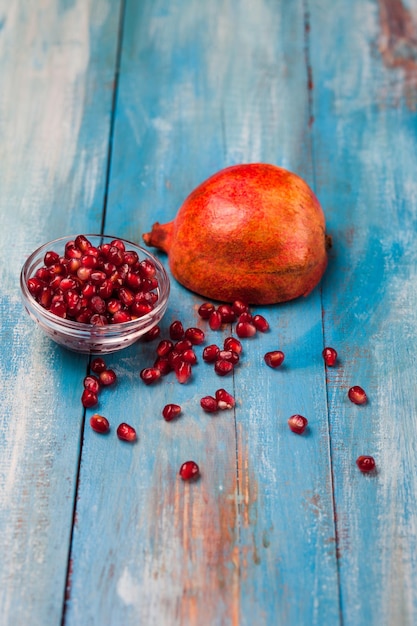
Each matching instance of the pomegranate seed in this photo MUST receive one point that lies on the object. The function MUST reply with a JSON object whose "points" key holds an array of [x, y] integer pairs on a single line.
{"points": [[115, 255], [51, 258], [260, 323], [107, 377], [150, 375], [98, 319], [189, 356], [119, 244], [176, 330], [91, 383], [163, 365], [297, 424], [274, 358], [170, 411], [99, 423], [83, 273], [205, 310], [98, 305], [189, 470], [245, 317], [125, 432], [209, 404], [211, 353], [231, 343], [71, 251], [239, 307], [229, 355], [134, 281], [245, 330], [141, 308], [113, 306], [35, 286], [329, 356], [88, 260], [182, 345], [195, 335], [224, 399], [120, 317], [131, 258], [81, 242], [222, 367], [59, 309], [357, 395], [366, 463], [89, 398], [215, 320], [174, 357], [227, 313], [182, 371], [164, 347], [152, 334], [147, 269], [98, 365]]}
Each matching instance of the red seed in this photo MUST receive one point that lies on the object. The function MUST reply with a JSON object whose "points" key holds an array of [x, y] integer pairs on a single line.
{"points": [[329, 356], [150, 375], [229, 355], [205, 310], [366, 463], [182, 371], [152, 334], [163, 364], [98, 320], [357, 395], [99, 423], [260, 323], [182, 345], [89, 398], [189, 356], [297, 424], [176, 330], [231, 343], [215, 320], [125, 432], [239, 307], [164, 347], [224, 399], [222, 368], [120, 317], [211, 353], [170, 411], [209, 404], [98, 365], [189, 470], [274, 358], [92, 383], [195, 335], [227, 313], [107, 377], [51, 258], [245, 330], [245, 317]]}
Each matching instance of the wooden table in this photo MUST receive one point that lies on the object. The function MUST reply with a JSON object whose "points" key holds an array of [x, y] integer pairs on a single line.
{"points": [[110, 114]]}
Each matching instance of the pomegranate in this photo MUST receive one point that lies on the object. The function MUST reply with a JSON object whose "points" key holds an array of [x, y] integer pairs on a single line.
{"points": [[253, 232]]}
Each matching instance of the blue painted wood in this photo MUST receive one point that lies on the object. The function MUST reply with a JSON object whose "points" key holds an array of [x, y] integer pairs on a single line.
{"points": [[254, 540], [57, 63], [365, 146]]}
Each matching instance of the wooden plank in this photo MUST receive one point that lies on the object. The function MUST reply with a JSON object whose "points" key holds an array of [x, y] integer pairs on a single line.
{"points": [[252, 542], [364, 72], [57, 65]]}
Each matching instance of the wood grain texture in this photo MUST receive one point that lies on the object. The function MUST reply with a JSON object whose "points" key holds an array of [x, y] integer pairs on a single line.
{"points": [[365, 146], [55, 107]]}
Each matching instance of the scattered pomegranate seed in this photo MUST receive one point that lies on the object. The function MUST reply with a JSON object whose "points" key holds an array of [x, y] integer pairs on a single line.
{"points": [[245, 330], [222, 368], [170, 411], [239, 307], [209, 404], [107, 377], [126, 432], [229, 355], [182, 371], [231, 343], [150, 375], [195, 335], [89, 398], [99, 423], [189, 356], [151, 334], [227, 313], [91, 383], [260, 323], [205, 310], [245, 317], [189, 470], [164, 347], [297, 424], [182, 345], [98, 365], [274, 358], [211, 353], [215, 320], [163, 364], [329, 356], [357, 395], [176, 330], [366, 463], [224, 399]]}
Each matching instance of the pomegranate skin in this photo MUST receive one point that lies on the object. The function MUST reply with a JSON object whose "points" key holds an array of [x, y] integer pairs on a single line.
{"points": [[253, 232]]}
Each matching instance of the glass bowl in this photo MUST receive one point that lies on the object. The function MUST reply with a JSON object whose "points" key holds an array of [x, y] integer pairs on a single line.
{"points": [[85, 337]]}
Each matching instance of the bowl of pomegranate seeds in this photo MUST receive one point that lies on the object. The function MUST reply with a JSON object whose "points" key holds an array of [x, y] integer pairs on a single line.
{"points": [[94, 293]]}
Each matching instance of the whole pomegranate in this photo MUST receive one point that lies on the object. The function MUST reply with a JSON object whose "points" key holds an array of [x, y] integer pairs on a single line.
{"points": [[252, 232]]}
